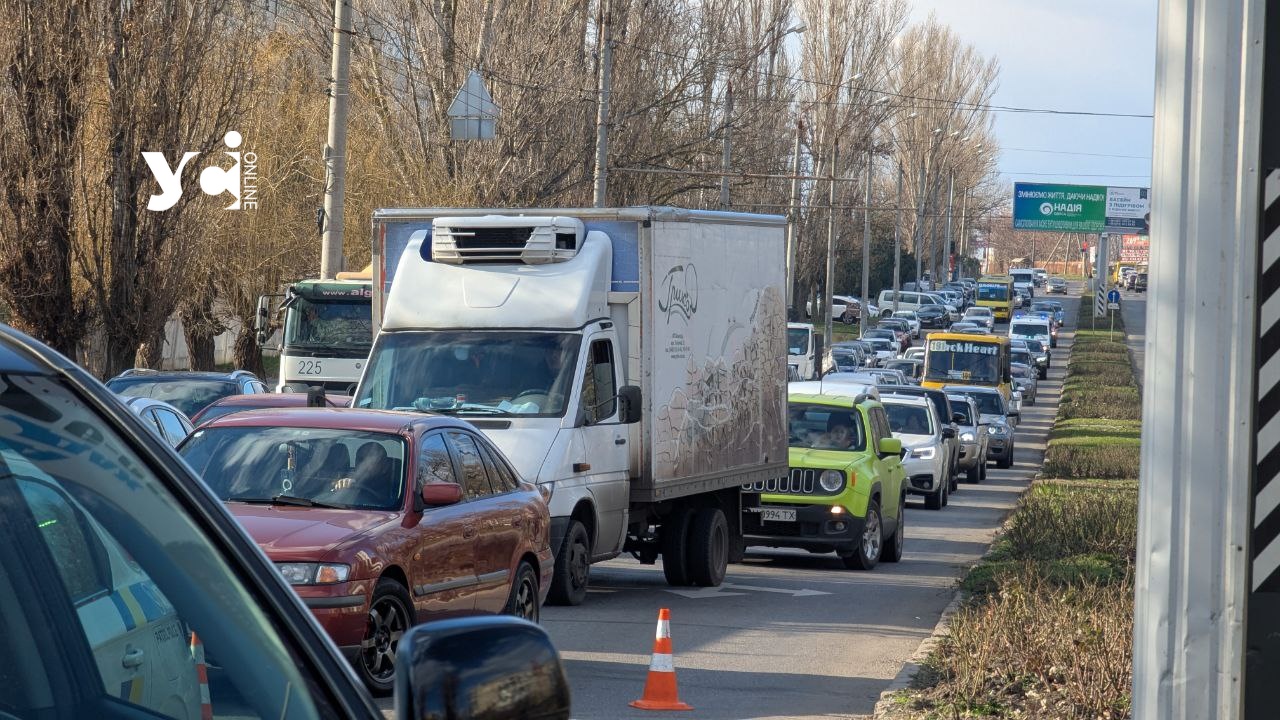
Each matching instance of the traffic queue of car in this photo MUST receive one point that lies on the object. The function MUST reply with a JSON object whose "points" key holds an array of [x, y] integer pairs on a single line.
{"points": [[889, 419]]}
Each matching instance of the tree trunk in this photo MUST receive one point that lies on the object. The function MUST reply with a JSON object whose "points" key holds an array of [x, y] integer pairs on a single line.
{"points": [[246, 354], [150, 353], [199, 327]]}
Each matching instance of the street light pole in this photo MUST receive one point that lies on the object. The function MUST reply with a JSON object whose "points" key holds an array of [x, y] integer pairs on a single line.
{"points": [[825, 298], [335, 158], [602, 107], [897, 244], [793, 227], [866, 244], [951, 196], [727, 151]]}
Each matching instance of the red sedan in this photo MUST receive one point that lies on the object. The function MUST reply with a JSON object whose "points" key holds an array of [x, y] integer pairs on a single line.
{"points": [[380, 520]]}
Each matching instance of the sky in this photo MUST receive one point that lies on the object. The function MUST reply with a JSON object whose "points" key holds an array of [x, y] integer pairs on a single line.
{"points": [[1090, 55]]}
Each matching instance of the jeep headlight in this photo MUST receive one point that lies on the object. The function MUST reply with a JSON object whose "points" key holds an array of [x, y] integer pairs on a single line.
{"points": [[924, 453], [831, 480], [967, 436]]}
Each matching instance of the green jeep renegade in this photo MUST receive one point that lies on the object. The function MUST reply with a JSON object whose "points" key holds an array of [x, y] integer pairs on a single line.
{"points": [[845, 491]]}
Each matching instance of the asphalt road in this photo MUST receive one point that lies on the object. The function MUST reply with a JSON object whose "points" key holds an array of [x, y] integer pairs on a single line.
{"points": [[790, 634], [1133, 307]]}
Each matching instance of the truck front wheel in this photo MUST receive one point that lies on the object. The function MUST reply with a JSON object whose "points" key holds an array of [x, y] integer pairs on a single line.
{"points": [[708, 547], [573, 566]]}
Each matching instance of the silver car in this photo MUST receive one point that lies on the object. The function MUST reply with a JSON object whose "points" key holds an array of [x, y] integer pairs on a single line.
{"points": [[167, 421], [1026, 380], [974, 437]]}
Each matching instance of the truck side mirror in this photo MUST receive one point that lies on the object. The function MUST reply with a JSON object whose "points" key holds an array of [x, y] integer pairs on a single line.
{"points": [[261, 319], [630, 409], [948, 433], [479, 667]]}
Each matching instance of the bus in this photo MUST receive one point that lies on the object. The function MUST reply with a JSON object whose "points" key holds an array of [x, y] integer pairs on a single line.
{"points": [[963, 359], [996, 292]]}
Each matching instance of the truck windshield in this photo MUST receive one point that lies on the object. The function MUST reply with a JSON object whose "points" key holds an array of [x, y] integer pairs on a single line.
{"points": [[966, 361], [993, 292], [472, 372], [797, 341], [311, 323]]}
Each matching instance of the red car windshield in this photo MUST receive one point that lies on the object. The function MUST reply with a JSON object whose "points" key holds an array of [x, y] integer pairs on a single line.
{"points": [[300, 466]]}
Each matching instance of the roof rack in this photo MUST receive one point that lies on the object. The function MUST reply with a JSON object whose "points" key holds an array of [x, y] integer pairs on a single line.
{"points": [[137, 371]]}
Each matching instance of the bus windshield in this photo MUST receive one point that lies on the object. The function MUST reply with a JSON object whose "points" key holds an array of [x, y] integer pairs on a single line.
{"points": [[311, 323], [951, 361], [992, 291]]}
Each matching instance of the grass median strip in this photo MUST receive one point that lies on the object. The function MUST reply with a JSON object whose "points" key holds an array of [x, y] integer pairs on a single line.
{"points": [[1046, 629]]}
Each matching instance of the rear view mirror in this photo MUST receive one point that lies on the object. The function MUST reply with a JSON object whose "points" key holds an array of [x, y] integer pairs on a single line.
{"points": [[437, 494], [629, 404], [486, 668], [890, 446]]}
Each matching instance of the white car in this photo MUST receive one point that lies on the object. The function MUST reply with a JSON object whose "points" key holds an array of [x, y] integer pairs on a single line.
{"points": [[981, 316], [912, 319], [914, 421], [167, 421], [885, 348], [1032, 328], [836, 383]]}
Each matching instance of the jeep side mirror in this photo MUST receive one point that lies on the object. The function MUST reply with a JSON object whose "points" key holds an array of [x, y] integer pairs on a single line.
{"points": [[890, 446], [629, 404], [496, 668]]}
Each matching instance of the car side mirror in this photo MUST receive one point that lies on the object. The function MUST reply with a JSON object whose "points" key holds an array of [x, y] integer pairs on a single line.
{"points": [[948, 433], [490, 668], [629, 404], [437, 494], [890, 446]]}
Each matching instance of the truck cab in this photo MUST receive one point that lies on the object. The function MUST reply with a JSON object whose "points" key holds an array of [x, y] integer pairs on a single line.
{"points": [[803, 346], [327, 332]]}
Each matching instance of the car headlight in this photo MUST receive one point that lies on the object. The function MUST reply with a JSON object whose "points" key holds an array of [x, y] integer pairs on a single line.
{"points": [[924, 453], [998, 429], [313, 573], [831, 480], [967, 436]]}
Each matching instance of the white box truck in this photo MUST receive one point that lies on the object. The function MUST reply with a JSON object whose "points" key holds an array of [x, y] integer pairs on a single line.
{"points": [[631, 362]]}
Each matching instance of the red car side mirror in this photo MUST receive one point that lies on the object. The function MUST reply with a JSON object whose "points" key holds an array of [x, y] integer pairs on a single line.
{"points": [[436, 494]]}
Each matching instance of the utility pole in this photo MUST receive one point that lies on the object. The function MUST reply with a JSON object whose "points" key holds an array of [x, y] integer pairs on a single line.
{"points": [[335, 151], [949, 250], [602, 105], [793, 227], [897, 244], [728, 147], [827, 291], [866, 243], [933, 237], [919, 233], [964, 237]]}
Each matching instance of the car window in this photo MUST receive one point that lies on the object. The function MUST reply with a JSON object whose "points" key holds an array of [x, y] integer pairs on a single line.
{"points": [[171, 425], [95, 548], [475, 480], [598, 387], [153, 421], [434, 465], [880, 424], [501, 476]]}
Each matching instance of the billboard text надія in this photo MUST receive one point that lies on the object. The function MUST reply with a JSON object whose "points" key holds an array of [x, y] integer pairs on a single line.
{"points": [[1080, 208]]}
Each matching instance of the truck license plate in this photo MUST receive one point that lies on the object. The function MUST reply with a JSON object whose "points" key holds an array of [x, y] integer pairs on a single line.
{"points": [[777, 515]]}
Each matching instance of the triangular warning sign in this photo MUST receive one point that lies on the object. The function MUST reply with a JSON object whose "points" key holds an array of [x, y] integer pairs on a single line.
{"points": [[473, 100]]}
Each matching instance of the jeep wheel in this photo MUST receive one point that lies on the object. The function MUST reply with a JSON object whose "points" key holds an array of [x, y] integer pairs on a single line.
{"points": [[893, 549], [867, 553]]}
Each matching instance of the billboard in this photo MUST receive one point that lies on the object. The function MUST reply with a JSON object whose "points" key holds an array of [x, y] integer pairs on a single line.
{"points": [[1135, 249], [1080, 208]]}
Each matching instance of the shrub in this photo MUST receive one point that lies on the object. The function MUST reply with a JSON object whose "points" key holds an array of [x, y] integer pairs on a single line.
{"points": [[1053, 522], [1091, 460]]}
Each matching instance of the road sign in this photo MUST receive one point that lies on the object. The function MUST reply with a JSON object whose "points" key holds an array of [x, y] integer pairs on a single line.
{"points": [[1080, 208], [1113, 306], [472, 112], [1113, 297]]}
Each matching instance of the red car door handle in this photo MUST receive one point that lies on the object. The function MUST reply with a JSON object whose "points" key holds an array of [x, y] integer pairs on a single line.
{"points": [[468, 531]]}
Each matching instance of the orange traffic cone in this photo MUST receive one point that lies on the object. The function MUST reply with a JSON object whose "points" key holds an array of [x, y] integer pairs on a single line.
{"points": [[660, 689], [202, 675]]}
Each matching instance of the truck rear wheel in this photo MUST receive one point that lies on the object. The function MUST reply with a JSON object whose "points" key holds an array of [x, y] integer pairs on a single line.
{"points": [[675, 532], [708, 548], [573, 566]]}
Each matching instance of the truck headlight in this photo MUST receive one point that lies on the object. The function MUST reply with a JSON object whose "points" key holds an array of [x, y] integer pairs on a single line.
{"points": [[313, 573], [967, 436], [924, 453], [831, 480]]}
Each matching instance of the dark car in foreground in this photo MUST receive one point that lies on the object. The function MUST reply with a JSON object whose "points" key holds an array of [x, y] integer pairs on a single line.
{"points": [[120, 572], [189, 391], [380, 519]]}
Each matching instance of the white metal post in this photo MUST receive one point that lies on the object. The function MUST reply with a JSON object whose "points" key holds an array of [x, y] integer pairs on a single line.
{"points": [[1194, 507]]}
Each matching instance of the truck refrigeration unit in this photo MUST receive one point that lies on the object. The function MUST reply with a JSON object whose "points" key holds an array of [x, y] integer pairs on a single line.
{"points": [[631, 362]]}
